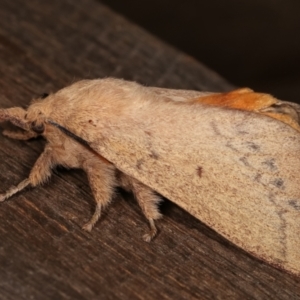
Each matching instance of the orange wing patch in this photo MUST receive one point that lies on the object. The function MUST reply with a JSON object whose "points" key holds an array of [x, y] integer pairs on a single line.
{"points": [[246, 99]]}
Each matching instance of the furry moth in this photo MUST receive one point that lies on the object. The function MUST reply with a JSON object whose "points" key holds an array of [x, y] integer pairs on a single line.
{"points": [[229, 159]]}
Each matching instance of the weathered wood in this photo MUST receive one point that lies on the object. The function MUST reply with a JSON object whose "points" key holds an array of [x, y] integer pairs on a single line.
{"points": [[44, 254]]}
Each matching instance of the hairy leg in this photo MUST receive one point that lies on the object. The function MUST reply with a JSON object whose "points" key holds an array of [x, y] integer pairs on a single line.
{"points": [[20, 135], [101, 176], [38, 174], [148, 201], [15, 115], [14, 189]]}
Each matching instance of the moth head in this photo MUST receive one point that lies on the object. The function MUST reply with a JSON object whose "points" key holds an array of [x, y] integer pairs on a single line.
{"points": [[35, 119], [38, 127], [37, 113]]}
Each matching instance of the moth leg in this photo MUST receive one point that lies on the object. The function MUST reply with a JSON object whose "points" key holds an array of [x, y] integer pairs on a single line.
{"points": [[38, 174], [42, 168], [15, 115], [20, 135], [147, 237], [101, 176], [14, 189], [147, 199]]}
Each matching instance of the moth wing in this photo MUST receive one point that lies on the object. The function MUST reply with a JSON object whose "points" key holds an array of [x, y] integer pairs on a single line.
{"points": [[237, 171]]}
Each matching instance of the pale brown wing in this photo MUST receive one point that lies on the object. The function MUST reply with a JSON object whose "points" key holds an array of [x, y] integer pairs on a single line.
{"points": [[235, 170]]}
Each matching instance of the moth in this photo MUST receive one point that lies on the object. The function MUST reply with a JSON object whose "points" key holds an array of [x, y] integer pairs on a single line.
{"points": [[229, 159]]}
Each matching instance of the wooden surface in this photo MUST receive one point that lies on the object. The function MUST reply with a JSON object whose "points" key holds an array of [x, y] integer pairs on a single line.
{"points": [[44, 254]]}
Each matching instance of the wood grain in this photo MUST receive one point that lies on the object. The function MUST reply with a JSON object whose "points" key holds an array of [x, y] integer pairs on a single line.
{"points": [[44, 254]]}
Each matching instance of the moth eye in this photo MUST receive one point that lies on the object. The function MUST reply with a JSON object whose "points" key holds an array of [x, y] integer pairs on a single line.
{"points": [[37, 128], [44, 95]]}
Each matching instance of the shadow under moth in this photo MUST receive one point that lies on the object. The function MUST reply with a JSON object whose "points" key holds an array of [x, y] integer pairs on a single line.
{"points": [[229, 159]]}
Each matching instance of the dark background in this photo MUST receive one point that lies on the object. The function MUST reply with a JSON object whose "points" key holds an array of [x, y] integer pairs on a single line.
{"points": [[251, 43]]}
